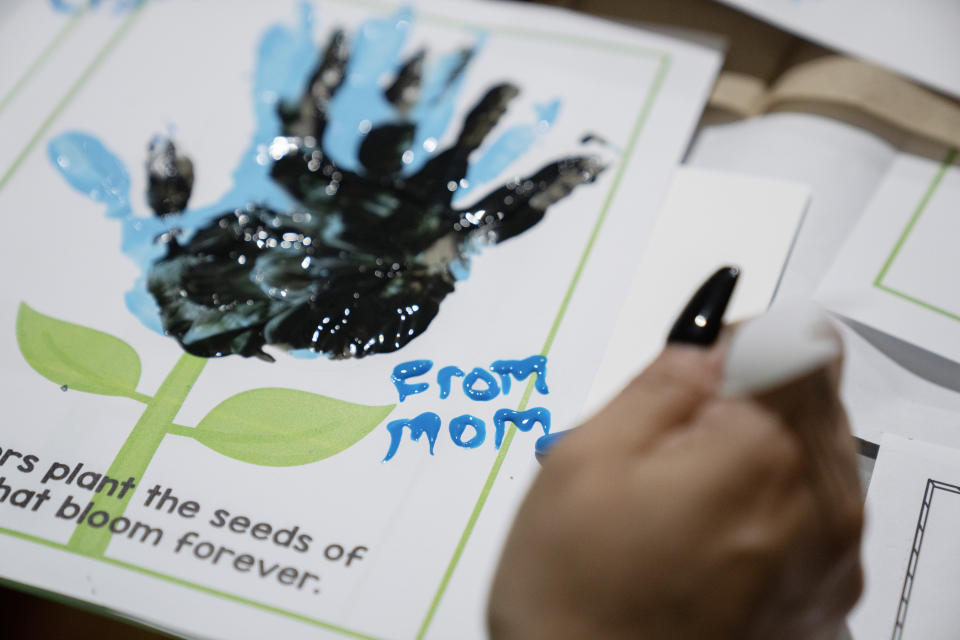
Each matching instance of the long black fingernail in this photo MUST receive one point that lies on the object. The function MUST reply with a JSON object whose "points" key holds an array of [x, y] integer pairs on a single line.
{"points": [[702, 318]]}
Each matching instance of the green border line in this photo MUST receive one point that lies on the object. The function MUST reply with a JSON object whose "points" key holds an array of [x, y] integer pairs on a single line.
{"points": [[652, 94], [41, 59], [196, 587], [519, 32], [907, 230], [919, 302], [663, 65], [72, 92]]}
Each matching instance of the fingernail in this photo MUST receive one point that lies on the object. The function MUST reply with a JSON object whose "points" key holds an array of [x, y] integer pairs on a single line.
{"points": [[702, 318], [547, 442]]}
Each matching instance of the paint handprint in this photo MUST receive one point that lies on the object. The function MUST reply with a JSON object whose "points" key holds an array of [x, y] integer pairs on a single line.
{"points": [[342, 236]]}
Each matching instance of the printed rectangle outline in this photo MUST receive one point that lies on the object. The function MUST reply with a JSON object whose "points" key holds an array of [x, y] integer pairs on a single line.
{"points": [[663, 61], [907, 230], [35, 65], [910, 575], [88, 72]]}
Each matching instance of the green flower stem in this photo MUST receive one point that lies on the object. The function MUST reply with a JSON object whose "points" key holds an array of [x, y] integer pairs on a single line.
{"points": [[139, 397], [137, 452], [180, 430]]}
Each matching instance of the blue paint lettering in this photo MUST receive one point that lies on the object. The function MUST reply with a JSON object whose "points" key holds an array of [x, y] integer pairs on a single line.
{"points": [[443, 379], [524, 421], [406, 370], [491, 390], [426, 423], [520, 369], [459, 424]]}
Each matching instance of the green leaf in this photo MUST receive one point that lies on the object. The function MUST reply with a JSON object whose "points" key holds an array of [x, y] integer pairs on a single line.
{"points": [[285, 427], [82, 359]]}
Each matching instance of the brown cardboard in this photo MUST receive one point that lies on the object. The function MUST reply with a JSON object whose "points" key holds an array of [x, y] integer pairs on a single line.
{"points": [[768, 69]]}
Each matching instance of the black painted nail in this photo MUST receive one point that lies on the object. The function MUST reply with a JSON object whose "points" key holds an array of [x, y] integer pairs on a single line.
{"points": [[699, 324], [702, 318]]}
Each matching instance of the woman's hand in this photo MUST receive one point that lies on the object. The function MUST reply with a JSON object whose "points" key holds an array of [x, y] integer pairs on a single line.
{"points": [[682, 513]]}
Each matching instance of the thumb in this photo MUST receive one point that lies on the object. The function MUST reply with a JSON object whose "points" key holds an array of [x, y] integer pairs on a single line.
{"points": [[790, 360]]}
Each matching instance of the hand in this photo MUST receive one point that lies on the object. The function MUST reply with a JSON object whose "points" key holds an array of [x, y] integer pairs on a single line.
{"points": [[362, 260], [678, 513]]}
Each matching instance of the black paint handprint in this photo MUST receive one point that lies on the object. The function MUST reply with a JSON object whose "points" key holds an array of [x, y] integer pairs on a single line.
{"points": [[362, 262]]}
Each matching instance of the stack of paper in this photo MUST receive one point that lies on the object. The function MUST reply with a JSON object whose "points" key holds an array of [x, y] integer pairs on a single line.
{"points": [[912, 568], [917, 40], [291, 385]]}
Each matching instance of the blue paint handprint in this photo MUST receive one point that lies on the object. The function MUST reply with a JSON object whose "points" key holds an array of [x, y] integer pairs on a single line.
{"points": [[341, 235]]}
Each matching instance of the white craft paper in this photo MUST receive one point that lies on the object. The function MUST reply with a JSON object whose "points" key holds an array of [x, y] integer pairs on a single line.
{"points": [[842, 164], [916, 39], [911, 563], [27, 31], [895, 272], [882, 397], [709, 219], [844, 167], [430, 525]]}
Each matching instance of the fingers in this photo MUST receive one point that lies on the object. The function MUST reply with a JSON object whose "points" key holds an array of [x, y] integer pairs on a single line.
{"points": [[556, 182], [404, 93], [441, 175], [760, 481], [799, 413], [308, 116], [384, 148], [698, 325], [332, 70], [687, 374], [741, 446], [661, 399], [434, 103], [701, 320], [753, 457], [170, 177], [790, 361], [804, 444], [485, 116], [814, 421], [520, 204], [464, 56], [812, 410]]}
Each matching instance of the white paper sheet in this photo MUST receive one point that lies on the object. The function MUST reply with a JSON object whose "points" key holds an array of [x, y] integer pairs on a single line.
{"points": [[881, 396], [916, 38], [709, 219], [28, 30], [842, 164], [44, 52], [895, 272], [912, 567], [428, 527]]}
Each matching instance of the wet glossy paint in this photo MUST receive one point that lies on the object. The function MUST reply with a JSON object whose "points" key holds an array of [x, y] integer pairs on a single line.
{"points": [[342, 233]]}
